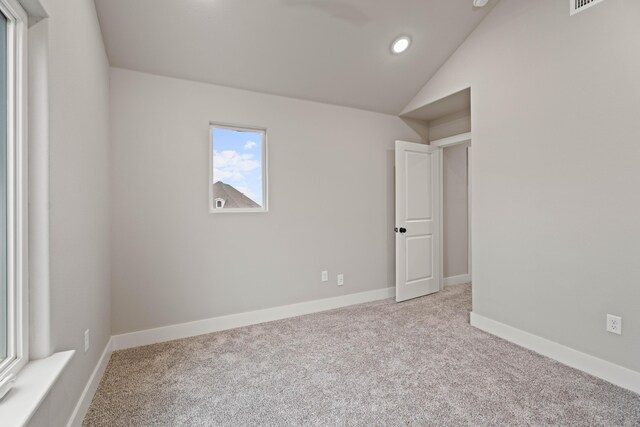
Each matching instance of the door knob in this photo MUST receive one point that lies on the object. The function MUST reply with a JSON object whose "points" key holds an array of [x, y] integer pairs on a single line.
{"points": [[401, 230]]}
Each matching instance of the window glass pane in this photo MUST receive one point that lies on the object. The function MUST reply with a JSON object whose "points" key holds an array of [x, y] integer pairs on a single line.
{"points": [[3, 187], [238, 169]]}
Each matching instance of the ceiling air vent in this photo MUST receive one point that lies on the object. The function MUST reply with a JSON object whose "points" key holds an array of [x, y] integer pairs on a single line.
{"points": [[580, 5]]}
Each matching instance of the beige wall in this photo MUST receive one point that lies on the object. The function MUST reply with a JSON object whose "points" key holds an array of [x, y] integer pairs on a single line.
{"points": [[79, 198], [556, 240], [456, 220], [330, 203], [450, 125]]}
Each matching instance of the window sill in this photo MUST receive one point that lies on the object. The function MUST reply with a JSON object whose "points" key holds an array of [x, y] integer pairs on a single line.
{"points": [[32, 385]]}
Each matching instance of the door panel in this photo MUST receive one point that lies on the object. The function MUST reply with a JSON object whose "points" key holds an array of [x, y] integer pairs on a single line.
{"points": [[418, 167], [417, 220], [419, 255]]}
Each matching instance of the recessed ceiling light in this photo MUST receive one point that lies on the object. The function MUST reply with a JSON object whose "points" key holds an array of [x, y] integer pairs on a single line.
{"points": [[480, 3], [400, 44]]}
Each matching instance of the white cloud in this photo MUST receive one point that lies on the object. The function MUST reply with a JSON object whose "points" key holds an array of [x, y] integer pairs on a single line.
{"points": [[224, 175], [231, 166], [249, 145]]}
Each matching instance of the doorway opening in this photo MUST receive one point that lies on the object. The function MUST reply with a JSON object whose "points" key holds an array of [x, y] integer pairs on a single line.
{"points": [[445, 125], [456, 209]]}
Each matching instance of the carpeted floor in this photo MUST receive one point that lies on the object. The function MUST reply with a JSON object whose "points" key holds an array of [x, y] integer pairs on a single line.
{"points": [[375, 364]]}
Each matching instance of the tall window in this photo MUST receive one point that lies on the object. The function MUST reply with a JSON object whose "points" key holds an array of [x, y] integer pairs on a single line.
{"points": [[238, 172], [13, 295]]}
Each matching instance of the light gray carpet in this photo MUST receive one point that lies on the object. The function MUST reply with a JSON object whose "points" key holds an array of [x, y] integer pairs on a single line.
{"points": [[382, 363]]}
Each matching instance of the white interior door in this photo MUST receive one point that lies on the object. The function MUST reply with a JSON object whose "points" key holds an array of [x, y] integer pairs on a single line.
{"points": [[417, 220]]}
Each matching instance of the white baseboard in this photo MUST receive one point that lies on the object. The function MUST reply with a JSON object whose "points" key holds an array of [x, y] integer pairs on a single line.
{"points": [[215, 324], [457, 280], [618, 375], [90, 389]]}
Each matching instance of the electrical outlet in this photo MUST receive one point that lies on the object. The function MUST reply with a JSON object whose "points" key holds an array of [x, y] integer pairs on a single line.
{"points": [[614, 324], [340, 279], [86, 340], [325, 276]]}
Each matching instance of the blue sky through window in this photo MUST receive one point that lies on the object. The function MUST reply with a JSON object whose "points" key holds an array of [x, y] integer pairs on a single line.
{"points": [[237, 161]]}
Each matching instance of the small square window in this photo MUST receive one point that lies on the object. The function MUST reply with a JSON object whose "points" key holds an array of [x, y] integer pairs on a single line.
{"points": [[238, 171]]}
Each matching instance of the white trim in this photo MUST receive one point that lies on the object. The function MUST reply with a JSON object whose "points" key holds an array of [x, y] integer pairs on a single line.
{"points": [[442, 237], [17, 333], [616, 374], [86, 397], [469, 212], [450, 141], [457, 280], [215, 324], [31, 387]]}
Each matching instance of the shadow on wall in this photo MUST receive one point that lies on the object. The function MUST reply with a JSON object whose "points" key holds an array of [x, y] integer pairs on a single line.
{"points": [[340, 10]]}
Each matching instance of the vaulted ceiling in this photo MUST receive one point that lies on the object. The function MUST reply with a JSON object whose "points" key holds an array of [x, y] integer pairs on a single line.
{"points": [[333, 51]]}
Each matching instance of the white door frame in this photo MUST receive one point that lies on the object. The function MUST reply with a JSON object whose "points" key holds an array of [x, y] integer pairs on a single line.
{"points": [[463, 138]]}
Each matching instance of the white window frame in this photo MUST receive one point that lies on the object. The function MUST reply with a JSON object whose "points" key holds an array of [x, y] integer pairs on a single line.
{"points": [[265, 168], [17, 213]]}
